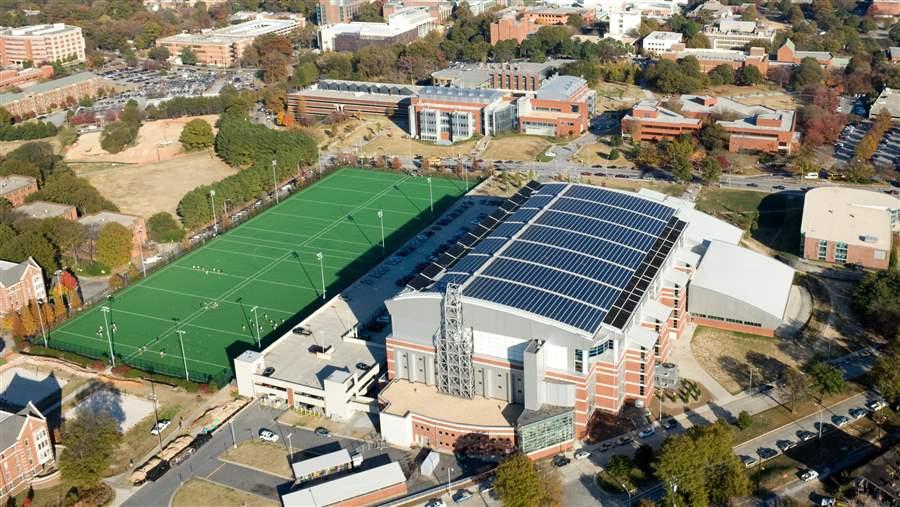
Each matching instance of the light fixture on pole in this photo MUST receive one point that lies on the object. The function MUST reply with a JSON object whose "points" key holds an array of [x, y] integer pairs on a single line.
{"points": [[141, 248], [290, 446], [212, 201], [256, 317], [321, 258], [40, 312], [430, 194], [274, 181], [180, 333], [381, 219], [112, 357]]}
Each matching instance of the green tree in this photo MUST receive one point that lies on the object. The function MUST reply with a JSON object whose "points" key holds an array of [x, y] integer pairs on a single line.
{"points": [[713, 137], [31, 244], [826, 379], [114, 244], [749, 76], [65, 234], [877, 300], [517, 482], [504, 51], [5, 117], [710, 170], [90, 438], [116, 136], [809, 72], [196, 135], [620, 466], [744, 420], [370, 13], [163, 228], [160, 53], [648, 155], [722, 75], [65, 188], [188, 57], [886, 373]]}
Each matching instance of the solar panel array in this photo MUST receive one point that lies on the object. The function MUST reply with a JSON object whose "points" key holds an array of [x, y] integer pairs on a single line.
{"points": [[576, 254]]}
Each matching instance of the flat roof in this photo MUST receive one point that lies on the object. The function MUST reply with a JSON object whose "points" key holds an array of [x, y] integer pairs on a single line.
{"points": [[105, 217], [43, 209], [761, 281], [468, 95], [319, 463], [294, 359], [694, 104], [853, 216], [347, 487], [403, 397], [785, 118], [14, 182], [46, 86], [559, 87], [664, 115], [663, 36], [39, 30]]}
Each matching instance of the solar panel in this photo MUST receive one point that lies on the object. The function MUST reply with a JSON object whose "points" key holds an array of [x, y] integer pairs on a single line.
{"points": [[469, 263], [523, 215], [468, 240], [551, 188], [585, 244], [445, 260], [627, 218], [456, 250], [489, 245], [576, 287], [499, 215], [418, 282], [538, 201], [564, 261], [506, 230], [431, 270], [619, 199], [598, 229]]}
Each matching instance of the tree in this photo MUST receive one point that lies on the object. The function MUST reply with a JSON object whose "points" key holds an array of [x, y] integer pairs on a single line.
{"points": [[722, 75], [163, 228], [188, 57], [886, 373], [826, 379], [118, 135], [517, 482], [710, 171], [877, 300], [866, 147], [619, 466], [809, 72], [65, 234], [576, 21], [750, 13], [5, 117], [703, 466], [29, 320], [160, 53], [114, 244], [744, 420], [370, 13], [749, 76], [795, 384], [31, 244], [713, 137], [196, 135], [90, 438], [648, 155]]}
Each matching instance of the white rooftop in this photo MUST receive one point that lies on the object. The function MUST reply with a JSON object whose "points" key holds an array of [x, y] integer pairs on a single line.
{"points": [[319, 463], [347, 487], [39, 30], [663, 36], [853, 216]]}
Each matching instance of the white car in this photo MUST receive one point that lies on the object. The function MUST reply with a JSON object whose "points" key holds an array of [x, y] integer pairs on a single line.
{"points": [[160, 426], [809, 475], [876, 405], [582, 454], [268, 435], [647, 432]]}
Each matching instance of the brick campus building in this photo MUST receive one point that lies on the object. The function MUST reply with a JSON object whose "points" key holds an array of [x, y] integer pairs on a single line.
{"points": [[25, 449], [40, 44], [565, 300], [47, 96], [20, 284]]}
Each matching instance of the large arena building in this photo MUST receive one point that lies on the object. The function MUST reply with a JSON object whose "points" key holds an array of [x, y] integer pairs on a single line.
{"points": [[560, 303]]}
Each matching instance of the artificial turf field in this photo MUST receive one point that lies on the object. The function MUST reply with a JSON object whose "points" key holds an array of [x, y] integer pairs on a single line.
{"points": [[269, 262]]}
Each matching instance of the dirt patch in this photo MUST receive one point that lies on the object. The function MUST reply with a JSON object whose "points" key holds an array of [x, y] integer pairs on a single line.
{"points": [[8, 146], [353, 133], [598, 154], [392, 141], [761, 95], [515, 147], [161, 184], [619, 96], [202, 492], [673, 189], [263, 456], [157, 141]]}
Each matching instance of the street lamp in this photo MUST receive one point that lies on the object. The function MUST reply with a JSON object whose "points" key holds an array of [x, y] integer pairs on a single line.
{"points": [[321, 258], [381, 219], [212, 201], [141, 248], [256, 317], [40, 312], [112, 356], [449, 469], [274, 181], [430, 194], [180, 333], [290, 446]]}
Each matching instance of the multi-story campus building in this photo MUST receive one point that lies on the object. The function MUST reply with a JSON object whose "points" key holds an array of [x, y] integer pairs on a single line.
{"points": [[557, 15], [15, 188], [440, 10], [511, 25], [135, 224], [657, 43], [25, 77], [729, 32], [850, 226], [47, 96], [623, 23], [402, 27], [20, 284], [885, 8], [788, 54], [41, 44], [225, 46], [448, 115], [512, 76], [709, 59], [330, 12], [560, 303], [650, 121], [888, 100], [355, 98], [562, 106], [773, 132], [25, 449]]}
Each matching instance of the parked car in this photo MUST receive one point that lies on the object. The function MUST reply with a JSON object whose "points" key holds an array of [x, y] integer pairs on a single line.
{"points": [[856, 413], [268, 435], [268, 371], [876, 405], [560, 460], [840, 420], [462, 495], [582, 454], [624, 440], [301, 331], [766, 453], [323, 432], [805, 435], [647, 432], [748, 461], [669, 423], [435, 502], [809, 475], [160, 426], [786, 445]]}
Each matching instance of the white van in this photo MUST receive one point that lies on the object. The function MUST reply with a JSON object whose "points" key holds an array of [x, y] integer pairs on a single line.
{"points": [[811, 176]]}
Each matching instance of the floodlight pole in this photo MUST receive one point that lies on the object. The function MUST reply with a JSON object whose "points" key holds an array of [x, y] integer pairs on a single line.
{"points": [[141, 248], [274, 181], [321, 258], [212, 201], [40, 312], [430, 194], [180, 333], [112, 356], [256, 317], [290, 446], [381, 219]]}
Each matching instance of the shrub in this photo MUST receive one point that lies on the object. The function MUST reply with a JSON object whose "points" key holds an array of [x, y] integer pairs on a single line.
{"points": [[744, 420], [613, 154]]}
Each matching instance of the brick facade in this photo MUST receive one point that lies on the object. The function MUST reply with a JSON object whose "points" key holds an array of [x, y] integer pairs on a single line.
{"points": [[20, 284], [16, 189], [27, 451], [856, 254]]}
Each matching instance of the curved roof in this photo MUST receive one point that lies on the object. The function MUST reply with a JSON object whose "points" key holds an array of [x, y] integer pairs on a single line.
{"points": [[760, 281], [853, 216]]}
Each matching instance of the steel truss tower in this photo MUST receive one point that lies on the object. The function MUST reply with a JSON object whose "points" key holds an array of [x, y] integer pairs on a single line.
{"points": [[455, 375]]}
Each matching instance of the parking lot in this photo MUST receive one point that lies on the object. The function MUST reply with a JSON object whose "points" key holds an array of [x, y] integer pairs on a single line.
{"points": [[887, 154]]}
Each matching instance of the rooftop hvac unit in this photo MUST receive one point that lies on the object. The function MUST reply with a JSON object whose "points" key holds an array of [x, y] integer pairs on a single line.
{"points": [[666, 376], [869, 239]]}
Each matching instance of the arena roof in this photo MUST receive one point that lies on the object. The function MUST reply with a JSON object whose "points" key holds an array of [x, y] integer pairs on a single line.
{"points": [[579, 255]]}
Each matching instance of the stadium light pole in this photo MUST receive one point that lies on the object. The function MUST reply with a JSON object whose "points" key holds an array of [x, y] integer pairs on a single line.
{"points": [[40, 312], [274, 181], [112, 356], [256, 317], [430, 194], [141, 248], [212, 201], [180, 333], [321, 258], [381, 219]]}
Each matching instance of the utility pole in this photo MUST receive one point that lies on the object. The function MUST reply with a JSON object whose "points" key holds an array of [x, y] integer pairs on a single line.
{"points": [[430, 194], [141, 248], [233, 438]]}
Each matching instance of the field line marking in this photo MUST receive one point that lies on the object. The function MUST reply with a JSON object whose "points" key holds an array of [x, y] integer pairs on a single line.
{"points": [[231, 238], [304, 235]]}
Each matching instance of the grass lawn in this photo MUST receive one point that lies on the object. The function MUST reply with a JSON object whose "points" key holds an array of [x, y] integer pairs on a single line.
{"points": [[270, 458], [777, 216], [86, 267], [202, 492], [203, 302], [598, 154], [394, 142], [516, 147], [738, 207], [50, 497]]}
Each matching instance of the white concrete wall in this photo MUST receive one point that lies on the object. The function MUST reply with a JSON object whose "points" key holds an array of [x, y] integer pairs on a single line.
{"points": [[396, 430]]}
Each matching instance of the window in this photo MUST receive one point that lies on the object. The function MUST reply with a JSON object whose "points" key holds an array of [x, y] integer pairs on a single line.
{"points": [[823, 250], [579, 361], [840, 252]]}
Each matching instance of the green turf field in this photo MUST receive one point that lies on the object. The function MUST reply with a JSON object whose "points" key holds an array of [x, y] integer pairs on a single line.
{"points": [[268, 262]]}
